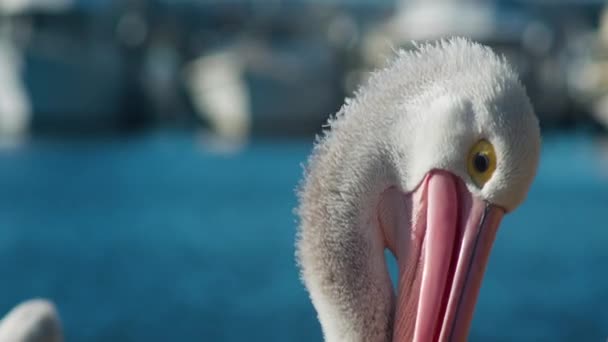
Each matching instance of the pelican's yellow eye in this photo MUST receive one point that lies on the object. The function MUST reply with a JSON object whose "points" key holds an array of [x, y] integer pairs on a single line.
{"points": [[481, 162]]}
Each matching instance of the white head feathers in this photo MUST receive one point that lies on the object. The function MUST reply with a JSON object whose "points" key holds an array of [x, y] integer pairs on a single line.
{"points": [[430, 105]]}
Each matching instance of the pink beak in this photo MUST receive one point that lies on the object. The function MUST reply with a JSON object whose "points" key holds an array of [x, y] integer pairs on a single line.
{"points": [[441, 259]]}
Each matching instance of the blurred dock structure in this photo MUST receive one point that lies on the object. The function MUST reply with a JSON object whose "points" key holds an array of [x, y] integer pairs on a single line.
{"points": [[273, 68]]}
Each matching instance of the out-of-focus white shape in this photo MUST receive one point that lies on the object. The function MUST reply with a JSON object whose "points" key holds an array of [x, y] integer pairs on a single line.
{"points": [[15, 109], [589, 77], [220, 94], [433, 19], [586, 77], [10, 7], [35, 320], [429, 20]]}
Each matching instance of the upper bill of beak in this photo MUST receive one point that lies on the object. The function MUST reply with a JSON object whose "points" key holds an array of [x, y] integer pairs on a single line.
{"points": [[451, 238]]}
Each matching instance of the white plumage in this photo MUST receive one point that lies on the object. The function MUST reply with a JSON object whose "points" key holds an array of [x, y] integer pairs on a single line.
{"points": [[420, 113], [35, 320]]}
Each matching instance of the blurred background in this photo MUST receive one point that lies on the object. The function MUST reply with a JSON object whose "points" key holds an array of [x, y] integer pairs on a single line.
{"points": [[149, 152]]}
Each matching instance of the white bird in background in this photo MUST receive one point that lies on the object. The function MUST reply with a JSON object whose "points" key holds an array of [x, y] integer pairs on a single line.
{"points": [[424, 161], [35, 320]]}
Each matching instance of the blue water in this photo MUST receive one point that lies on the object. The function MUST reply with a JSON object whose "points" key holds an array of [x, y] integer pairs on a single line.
{"points": [[156, 238]]}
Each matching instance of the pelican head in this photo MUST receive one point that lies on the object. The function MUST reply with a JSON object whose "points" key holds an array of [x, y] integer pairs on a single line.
{"points": [[424, 161]]}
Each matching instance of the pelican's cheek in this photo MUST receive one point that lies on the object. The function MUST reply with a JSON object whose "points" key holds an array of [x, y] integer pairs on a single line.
{"points": [[452, 234]]}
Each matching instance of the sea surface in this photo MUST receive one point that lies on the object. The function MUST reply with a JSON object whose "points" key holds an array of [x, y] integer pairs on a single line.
{"points": [[161, 237]]}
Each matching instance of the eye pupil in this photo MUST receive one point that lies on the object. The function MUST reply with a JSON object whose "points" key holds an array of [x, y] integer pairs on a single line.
{"points": [[482, 163]]}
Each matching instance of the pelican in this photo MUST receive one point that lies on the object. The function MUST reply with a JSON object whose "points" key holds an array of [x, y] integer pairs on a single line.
{"points": [[424, 161], [35, 320]]}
